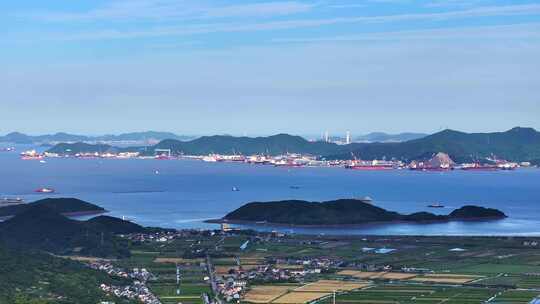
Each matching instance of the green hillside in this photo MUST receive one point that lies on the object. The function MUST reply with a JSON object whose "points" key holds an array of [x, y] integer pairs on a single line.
{"points": [[40, 227], [29, 277]]}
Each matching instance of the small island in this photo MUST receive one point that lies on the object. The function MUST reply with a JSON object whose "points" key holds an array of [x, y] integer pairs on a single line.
{"points": [[344, 212]]}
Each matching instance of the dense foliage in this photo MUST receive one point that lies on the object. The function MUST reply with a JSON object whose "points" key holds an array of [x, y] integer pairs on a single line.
{"points": [[40, 278], [40, 227]]}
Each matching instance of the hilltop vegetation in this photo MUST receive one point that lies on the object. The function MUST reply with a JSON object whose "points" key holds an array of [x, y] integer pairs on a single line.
{"points": [[344, 212], [29, 277]]}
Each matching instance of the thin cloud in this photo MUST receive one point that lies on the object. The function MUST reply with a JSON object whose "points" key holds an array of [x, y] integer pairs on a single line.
{"points": [[342, 6], [194, 29], [456, 3], [170, 9], [520, 31], [260, 9]]}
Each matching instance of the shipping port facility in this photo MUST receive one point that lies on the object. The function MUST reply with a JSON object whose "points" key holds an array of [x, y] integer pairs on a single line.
{"points": [[438, 162]]}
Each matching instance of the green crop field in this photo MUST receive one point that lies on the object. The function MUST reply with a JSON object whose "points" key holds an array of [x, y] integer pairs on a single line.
{"points": [[516, 297], [416, 294], [492, 268]]}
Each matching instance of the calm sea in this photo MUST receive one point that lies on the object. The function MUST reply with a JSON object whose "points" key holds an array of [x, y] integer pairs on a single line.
{"points": [[184, 193]]}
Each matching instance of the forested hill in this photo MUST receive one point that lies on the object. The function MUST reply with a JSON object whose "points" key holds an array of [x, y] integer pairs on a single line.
{"points": [[41, 226], [273, 145], [30, 277]]}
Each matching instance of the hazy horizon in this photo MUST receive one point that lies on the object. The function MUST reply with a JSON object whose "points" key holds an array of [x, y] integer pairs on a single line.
{"points": [[311, 136]]}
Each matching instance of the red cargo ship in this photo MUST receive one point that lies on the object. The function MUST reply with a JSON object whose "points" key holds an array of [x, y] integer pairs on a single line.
{"points": [[373, 165], [45, 190]]}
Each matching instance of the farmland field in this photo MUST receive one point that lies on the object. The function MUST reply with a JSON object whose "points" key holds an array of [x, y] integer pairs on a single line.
{"points": [[331, 286], [416, 294], [296, 297], [446, 278], [377, 275], [265, 294]]}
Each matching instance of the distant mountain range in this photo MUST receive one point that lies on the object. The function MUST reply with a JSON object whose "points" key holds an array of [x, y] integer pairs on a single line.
{"points": [[385, 137], [517, 144], [21, 138]]}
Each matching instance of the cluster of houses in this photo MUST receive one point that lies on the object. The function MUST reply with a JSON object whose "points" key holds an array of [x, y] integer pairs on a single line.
{"points": [[530, 243], [167, 235], [232, 284], [136, 291], [230, 288]]}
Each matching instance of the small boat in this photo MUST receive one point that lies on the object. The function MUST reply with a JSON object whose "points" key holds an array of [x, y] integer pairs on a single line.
{"points": [[235, 189], [295, 187], [45, 190], [436, 205]]}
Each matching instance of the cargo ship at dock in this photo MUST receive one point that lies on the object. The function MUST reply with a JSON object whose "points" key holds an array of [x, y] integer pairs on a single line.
{"points": [[45, 190], [370, 165], [438, 162], [31, 155]]}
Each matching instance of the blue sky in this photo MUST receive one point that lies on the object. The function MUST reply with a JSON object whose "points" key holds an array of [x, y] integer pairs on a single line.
{"points": [[268, 66]]}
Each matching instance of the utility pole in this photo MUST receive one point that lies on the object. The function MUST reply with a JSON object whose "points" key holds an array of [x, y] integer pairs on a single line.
{"points": [[177, 279]]}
